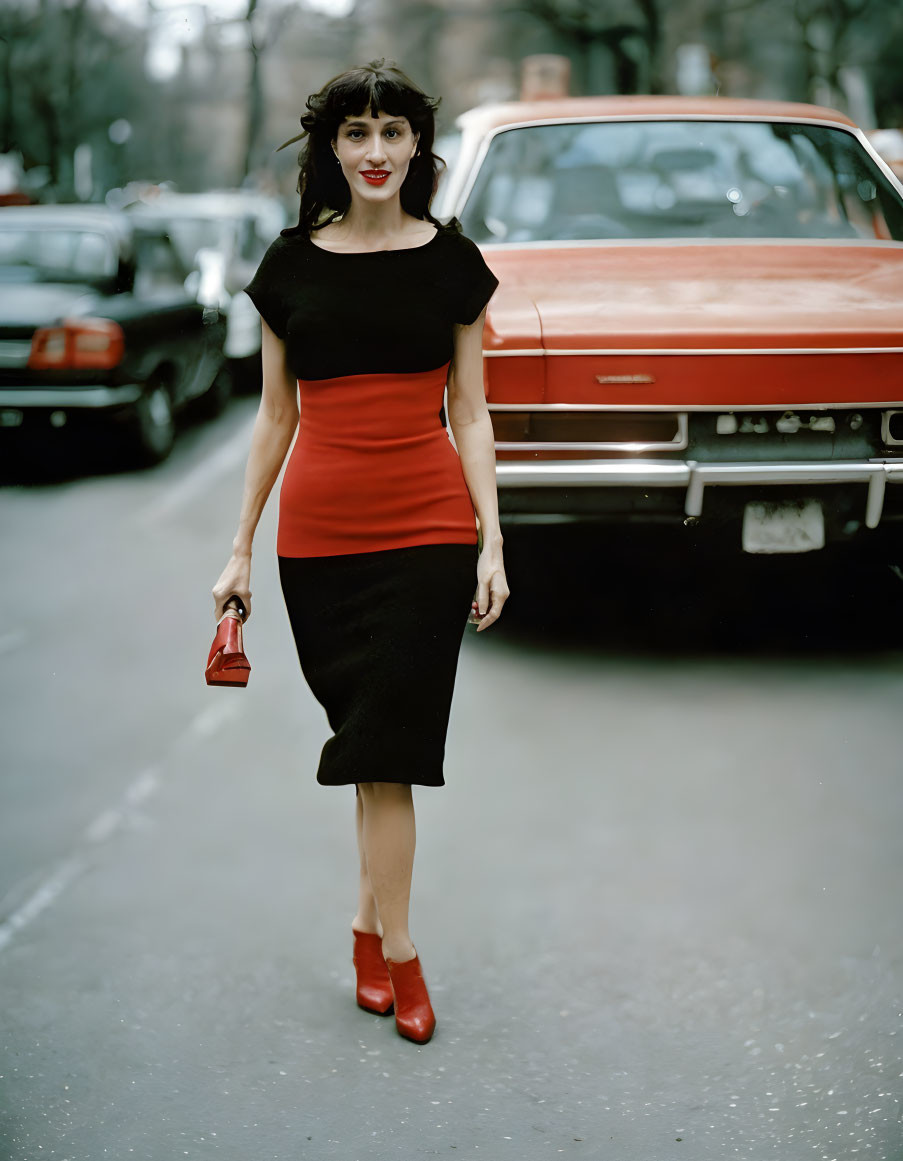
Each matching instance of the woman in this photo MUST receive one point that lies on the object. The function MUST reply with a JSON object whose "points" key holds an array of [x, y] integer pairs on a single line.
{"points": [[370, 309]]}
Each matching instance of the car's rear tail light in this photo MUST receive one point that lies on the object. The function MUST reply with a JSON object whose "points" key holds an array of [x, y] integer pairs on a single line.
{"points": [[77, 343]]}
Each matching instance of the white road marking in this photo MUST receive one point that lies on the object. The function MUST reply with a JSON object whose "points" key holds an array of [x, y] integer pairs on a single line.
{"points": [[221, 461], [48, 892], [103, 826], [204, 725], [142, 788], [215, 715], [11, 641]]}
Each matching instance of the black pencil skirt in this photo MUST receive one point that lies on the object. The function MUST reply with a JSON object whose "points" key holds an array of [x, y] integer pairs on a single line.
{"points": [[378, 636]]}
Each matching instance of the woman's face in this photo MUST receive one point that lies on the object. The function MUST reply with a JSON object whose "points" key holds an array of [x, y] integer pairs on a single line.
{"points": [[375, 153]]}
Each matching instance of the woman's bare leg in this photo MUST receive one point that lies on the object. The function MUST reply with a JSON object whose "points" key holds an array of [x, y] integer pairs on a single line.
{"points": [[388, 839], [367, 918]]}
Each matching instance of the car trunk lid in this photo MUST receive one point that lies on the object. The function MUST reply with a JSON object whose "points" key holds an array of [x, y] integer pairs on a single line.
{"points": [[697, 325]]}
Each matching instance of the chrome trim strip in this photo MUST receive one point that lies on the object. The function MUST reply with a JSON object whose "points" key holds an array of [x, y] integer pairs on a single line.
{"points": [[678, 443], [556, 407], [538, 352], [874, 503], [93, 398], [588, 118], [731, 408], [697, 477], [819, 472], [815, 473], [588, 474], [650, 242], [881, 163], [626, 446]]}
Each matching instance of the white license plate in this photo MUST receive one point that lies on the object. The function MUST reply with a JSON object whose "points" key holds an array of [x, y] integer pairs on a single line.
{"points": [[783, 526]]}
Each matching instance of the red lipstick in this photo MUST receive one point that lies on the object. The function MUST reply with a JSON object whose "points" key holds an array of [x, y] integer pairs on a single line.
{"points": [[374, 176]]}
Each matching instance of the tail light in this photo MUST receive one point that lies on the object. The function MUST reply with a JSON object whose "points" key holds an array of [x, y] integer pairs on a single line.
{"points": [[77, 343]]}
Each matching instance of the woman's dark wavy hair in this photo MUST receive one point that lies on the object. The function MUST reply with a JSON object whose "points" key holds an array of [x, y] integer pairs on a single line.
{"points": [[374, 88]]}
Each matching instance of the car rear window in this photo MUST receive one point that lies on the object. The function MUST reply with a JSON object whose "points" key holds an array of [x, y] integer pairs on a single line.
{"points": [[50, 252], [679, 179]]}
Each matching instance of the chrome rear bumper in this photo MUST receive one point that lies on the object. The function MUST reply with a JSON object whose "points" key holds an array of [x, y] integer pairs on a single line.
{"points": [[92, 397], [695, 477]]}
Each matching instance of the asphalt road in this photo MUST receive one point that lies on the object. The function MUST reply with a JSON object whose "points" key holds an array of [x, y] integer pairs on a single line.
{"points": [[658, 902]]}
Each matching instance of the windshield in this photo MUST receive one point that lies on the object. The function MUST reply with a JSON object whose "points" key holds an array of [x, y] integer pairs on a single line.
{"points": [[679, 179], [56, 254]]}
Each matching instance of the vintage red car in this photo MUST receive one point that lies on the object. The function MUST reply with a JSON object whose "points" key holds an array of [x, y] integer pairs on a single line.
{"points": [[700, 313]]}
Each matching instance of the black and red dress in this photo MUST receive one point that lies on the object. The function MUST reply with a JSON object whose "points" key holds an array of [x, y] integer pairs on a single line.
{"points": [[376, 535]]}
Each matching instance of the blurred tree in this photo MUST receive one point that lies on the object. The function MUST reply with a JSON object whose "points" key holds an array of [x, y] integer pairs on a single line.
{"points": [[588, 24], [69, 70], [887, 77], [265, 26], [14, 27], [825, 26]]}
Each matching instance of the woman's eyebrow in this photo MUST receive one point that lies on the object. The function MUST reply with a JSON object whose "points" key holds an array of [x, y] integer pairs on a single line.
{"points": [[366, 124]]}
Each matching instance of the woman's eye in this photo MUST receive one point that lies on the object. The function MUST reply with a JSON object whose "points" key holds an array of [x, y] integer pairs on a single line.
{"points": [[392, 133]]}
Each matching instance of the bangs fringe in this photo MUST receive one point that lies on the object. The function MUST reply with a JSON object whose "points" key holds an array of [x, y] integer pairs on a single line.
{"points": [[370, 91]]}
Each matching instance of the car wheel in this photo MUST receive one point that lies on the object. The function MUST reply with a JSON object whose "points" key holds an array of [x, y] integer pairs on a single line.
{"points": [[214, 400], [156, 428], [247, 374]]}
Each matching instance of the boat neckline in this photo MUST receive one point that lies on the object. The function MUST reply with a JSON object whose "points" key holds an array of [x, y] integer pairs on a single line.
{"points": [[367, 253]]}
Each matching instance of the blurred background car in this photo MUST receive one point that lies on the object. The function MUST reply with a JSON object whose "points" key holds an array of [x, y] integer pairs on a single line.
{"points": [[100, 325], [222, 235]]}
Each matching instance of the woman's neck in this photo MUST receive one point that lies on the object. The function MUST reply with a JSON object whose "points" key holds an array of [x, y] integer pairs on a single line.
{"points": [[373, 223]]}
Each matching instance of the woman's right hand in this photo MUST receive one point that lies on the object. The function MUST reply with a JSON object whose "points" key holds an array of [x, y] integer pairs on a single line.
{"points": [[235, 579]]}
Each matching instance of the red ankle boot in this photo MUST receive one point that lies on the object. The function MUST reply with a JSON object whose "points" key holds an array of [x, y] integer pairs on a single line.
{"points": [[374, 990], [414, 1016]]}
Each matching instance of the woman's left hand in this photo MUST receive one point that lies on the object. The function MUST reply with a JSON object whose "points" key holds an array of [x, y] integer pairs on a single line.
{"points": [[492, 587]]}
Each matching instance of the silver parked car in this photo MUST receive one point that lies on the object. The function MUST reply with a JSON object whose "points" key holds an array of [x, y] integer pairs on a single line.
{"points": [[222, 235]]}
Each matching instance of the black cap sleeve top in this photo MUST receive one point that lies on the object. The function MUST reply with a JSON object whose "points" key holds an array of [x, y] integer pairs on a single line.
{"points": [[376, 534], [382, 311]]}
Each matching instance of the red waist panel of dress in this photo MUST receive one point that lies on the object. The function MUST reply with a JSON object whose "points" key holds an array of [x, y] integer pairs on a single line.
{"points": [[372, 468]]}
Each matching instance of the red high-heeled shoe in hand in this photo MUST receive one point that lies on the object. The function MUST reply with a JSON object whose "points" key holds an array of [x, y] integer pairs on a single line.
{"points": [[226, 662], [374, 991], [414, 1016]]}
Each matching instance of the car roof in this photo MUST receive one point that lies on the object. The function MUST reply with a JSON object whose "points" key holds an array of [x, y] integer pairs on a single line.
{"points": [[484, 118]]}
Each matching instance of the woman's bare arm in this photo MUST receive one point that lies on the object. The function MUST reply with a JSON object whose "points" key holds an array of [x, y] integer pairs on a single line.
{"points": [[274, 427], [468, 417]]}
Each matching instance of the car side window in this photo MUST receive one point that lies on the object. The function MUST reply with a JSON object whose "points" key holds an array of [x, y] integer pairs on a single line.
{"points": [[158, 268]]}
